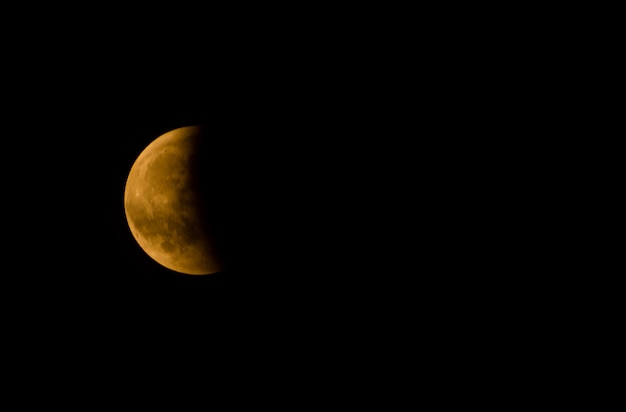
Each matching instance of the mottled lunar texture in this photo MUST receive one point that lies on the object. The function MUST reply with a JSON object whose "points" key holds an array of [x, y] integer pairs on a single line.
{"points": [[164, 208]]}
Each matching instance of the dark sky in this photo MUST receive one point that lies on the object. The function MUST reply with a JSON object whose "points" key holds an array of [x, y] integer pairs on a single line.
{"points": [[355, 184], [299, 130], [75, 142]]}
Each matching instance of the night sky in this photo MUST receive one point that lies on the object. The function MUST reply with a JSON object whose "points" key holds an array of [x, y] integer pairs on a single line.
{"points": [[301, 183], [271, 183], [359, 170]]}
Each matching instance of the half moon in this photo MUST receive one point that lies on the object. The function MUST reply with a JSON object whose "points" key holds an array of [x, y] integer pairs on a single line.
{"points": [[164, 207]]}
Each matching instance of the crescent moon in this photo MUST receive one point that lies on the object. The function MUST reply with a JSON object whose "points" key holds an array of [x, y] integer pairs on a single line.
{"points": [[164, 208]]}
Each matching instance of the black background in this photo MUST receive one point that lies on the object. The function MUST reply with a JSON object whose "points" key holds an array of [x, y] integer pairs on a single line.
{"points": [[295, 176], [369, 172], [345, 169]]}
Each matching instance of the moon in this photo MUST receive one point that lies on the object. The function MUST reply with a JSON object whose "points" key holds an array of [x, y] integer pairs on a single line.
{"points": [[164, 205]]}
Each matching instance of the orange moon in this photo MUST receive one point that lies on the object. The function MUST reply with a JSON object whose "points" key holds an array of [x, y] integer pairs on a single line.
{"points": [[164, 207]]}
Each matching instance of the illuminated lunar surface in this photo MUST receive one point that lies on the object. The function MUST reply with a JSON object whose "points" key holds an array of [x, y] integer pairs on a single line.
{"points": [[164, 208]]}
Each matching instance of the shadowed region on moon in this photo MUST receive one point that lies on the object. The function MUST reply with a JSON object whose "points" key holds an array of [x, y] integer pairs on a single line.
{"points": [[164, 208]]}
